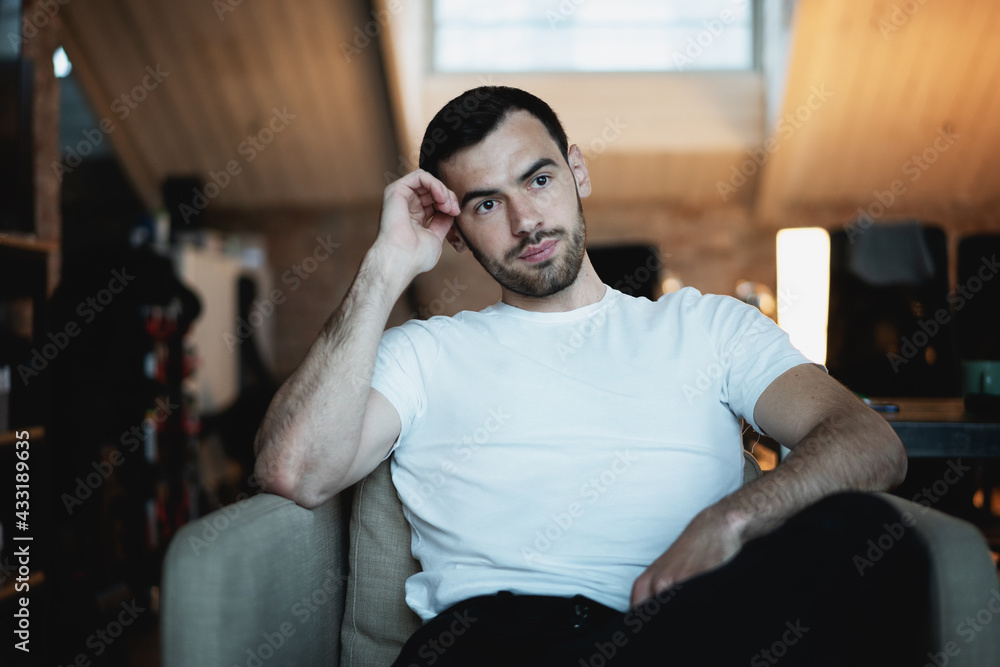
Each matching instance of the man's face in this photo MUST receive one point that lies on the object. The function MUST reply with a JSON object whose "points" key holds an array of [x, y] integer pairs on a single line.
{"points": [[522, 215]]}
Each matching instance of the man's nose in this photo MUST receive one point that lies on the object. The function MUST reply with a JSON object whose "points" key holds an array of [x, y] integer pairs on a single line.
{"points": [[525, 217]]}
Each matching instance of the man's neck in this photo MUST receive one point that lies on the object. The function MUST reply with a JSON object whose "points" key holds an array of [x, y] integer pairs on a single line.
{"points": [[585, 290]]}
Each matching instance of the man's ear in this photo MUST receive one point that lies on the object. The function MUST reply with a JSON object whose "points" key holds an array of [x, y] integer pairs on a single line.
{"points": [[580, 173], [454, 237]]}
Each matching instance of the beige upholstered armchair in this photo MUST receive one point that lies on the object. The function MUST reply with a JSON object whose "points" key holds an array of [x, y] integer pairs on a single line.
{"points": [[266, 582]]}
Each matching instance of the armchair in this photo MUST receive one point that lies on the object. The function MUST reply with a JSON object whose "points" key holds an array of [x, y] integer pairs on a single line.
{"points": [[266, 582]]}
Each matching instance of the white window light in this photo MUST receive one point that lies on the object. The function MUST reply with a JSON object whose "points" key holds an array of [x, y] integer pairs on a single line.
{"points": [[61, 64], [593, 36]]}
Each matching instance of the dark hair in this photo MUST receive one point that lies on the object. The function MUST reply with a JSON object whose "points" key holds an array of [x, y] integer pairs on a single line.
{"points": [[473, 115]]}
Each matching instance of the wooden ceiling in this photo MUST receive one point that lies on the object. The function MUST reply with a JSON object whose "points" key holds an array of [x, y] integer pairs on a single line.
{"points": [[896, 81], [914, 103], [228, 70]]}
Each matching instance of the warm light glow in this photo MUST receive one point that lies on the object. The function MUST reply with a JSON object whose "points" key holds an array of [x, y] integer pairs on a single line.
{"points": [[804, 288], [766, 457], [671, 282]]}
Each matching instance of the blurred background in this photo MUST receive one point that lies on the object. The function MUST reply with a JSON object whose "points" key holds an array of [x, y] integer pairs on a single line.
{"points": [[189, 187]]}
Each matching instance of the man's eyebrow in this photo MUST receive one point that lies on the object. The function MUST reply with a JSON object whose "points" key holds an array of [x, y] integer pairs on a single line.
{"points": [[542, 162], [538, 164], [472, 194]]}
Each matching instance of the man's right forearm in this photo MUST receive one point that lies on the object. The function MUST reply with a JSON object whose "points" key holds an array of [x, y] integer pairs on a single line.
{"points": [[312, 430]]}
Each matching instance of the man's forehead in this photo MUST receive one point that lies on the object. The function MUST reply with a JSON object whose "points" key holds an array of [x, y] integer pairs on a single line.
{"points": [[518, 141]]}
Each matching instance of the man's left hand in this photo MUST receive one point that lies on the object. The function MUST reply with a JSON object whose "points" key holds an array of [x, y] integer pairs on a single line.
{"points": [[706, 543]]}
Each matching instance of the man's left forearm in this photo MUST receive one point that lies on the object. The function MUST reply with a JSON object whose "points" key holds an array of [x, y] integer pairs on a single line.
{"points": [[851, 449], [838, 444]]}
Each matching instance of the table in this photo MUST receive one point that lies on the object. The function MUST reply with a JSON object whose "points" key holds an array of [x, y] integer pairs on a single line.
{"points": [[940, 427]]}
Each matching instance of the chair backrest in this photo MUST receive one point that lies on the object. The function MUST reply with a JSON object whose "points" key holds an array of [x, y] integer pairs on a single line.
{"points": [[977, 297], [890, 329], [377, 621], [629, 268]]}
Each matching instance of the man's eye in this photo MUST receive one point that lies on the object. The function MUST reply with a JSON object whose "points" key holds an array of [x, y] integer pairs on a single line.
{"points": [[486, 206], [542, 180]]}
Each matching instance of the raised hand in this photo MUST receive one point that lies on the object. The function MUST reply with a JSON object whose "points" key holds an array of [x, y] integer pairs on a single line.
{"points": [[417, 212], [327, 428]]}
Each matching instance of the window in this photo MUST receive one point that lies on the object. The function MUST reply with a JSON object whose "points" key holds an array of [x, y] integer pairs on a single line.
{"points": [[593, 36]]}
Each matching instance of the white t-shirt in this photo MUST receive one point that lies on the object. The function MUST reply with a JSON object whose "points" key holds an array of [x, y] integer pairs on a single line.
{"points": [[561, 453]]}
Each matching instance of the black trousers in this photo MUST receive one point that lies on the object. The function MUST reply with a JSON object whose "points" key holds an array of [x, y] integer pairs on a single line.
{"points": [[844, 582]]}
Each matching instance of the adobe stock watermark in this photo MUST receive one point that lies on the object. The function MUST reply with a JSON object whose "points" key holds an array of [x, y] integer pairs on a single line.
{"points": [[910, 346], [461, 452], [635, 620], [122, 106], [779, 648], [213, 525], [563, 12], [44, 12], [879, 546], [451, 291], [899, 17], [363, 36], [249, 149], [713, 29], [294, 277], [790, 122], [453, 117], [610, 133], [304, 610], [627, 284], [707, 376], [59, 340], [591, 491], [223, 7], [914, 168], [432, 650], [591, 149], [926, 497], [763, 495], [930, 495], [132, 439], [584, 330], [968, 628]]}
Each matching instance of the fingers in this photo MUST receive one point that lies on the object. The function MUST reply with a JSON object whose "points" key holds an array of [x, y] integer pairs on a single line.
{"points": [[641, 589], [439, 224], [430, 191], [639, 592], [650, 584]]}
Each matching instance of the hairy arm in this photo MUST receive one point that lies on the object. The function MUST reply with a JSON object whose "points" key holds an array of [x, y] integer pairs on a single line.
{"points": [[326, 427], [838, 444]]}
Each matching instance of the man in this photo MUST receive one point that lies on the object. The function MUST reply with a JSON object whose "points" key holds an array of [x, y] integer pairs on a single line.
{"points": [[582, 493]]}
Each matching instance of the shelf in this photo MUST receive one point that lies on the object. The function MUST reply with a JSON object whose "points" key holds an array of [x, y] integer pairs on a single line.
{"points": [[35, 433], [8, 590], [27, 242]]}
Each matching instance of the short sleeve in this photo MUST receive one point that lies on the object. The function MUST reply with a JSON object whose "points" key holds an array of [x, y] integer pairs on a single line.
{"points": [[754, 351], [398, 377]]}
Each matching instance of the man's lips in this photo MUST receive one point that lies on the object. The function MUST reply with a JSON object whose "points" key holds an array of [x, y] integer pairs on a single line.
{"points": [[540, 252]]}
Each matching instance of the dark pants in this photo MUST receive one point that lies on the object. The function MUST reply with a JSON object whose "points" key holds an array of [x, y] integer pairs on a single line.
{"points": [[844, 582]]}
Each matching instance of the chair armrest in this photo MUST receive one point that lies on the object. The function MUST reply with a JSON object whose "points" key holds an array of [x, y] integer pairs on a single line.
{"points": [[963, 585], [263, 577]]}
